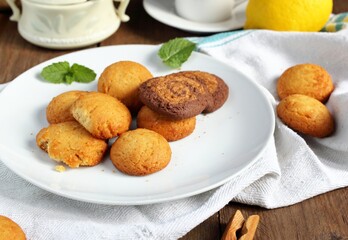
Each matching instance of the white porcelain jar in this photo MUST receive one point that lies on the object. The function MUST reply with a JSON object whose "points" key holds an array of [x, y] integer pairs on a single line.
{"points": [[65, 24]]}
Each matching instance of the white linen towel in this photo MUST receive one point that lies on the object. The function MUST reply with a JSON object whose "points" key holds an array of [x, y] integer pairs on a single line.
{"points": [[292, 169]]}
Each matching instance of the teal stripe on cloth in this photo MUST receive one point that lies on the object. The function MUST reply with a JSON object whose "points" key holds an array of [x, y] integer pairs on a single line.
{"points": [[219, 39], [336, 23], [340, 17]]}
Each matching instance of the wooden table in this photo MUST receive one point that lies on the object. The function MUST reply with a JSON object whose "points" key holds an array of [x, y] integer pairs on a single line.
{"points": [[322, 217]]}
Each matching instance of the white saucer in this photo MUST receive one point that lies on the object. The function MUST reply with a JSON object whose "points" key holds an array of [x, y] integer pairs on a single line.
{"points": [[164, 11]]}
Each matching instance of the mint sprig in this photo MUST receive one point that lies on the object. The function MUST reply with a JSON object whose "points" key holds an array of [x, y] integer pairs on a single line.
{"points": [[176, 51], [61, 72]]}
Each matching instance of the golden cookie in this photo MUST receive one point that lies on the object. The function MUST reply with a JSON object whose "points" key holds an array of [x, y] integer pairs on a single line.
{"points": [[307, 79], [140, 152], [121, 80], [306, 115], [102, 115], [169, 128], [9, 230], [72, 144], [58, 110]]}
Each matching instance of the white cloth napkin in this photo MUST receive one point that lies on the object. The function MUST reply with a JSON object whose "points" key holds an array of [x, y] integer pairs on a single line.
{"points": [[292, 169]]}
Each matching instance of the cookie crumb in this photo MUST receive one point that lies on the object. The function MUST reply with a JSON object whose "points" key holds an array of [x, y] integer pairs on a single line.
{"points": [[60, 168]]}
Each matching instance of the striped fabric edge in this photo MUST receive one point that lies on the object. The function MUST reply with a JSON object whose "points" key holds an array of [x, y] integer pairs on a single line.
{"points": [[219, 39], [336, 23]]}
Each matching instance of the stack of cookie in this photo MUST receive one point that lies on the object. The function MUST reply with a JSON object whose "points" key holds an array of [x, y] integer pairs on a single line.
{"points": [[140, 151], [80, 125], [165, 105], [165, 109], [172, 102], [303, 90]]}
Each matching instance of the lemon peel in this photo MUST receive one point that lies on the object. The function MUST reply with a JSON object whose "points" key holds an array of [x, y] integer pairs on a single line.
{"points": [[289, 15]]}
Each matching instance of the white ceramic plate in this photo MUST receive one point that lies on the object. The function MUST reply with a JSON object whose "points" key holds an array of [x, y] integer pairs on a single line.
{"points": [[223, 144], [164, 11]]}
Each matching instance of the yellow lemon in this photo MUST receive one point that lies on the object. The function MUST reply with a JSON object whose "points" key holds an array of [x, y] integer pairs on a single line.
{"points": [[288, 15]]}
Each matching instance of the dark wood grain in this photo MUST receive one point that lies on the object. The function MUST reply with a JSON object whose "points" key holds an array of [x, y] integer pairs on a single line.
{"points": [[17, 55], [322, 217], [142, 29], [340, 6]]}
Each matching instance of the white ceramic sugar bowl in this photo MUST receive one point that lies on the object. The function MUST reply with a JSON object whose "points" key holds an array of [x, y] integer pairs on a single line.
{"points": [[66, 24]]}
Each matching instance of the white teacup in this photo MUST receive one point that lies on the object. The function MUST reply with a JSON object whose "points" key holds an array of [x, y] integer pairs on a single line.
{"points": [[206, 11]]}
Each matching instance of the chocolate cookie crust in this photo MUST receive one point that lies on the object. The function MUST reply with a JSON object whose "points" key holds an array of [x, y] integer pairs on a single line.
{"points": [[184, 94], [174, 95], [216, 87]]}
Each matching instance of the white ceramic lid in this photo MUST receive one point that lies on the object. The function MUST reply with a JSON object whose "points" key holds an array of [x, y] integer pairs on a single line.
{"points": [[58, 2]]}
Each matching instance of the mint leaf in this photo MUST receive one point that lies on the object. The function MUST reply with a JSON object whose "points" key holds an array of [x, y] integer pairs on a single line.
{"points": [[61, 72], [82, 73], [69, 78], [56, 72], [176, 51]]}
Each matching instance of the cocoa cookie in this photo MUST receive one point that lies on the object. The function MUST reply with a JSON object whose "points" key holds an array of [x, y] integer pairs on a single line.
{"points": [[175, 96], [102, 115], [58, 109], [306, 115], [121, 80], [10, 230], [140, 152], [216, 87], [307, 79], [72, 144], [170, 129]]}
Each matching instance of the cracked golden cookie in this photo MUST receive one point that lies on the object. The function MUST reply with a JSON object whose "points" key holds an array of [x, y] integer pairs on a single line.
{"points": [[10, 230], [72, 144], [175, 95], [307, 79], [140, 152], [215, 85], [102, 115], [169, 128], [306, 115], [121, 80], [58, 109]]}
